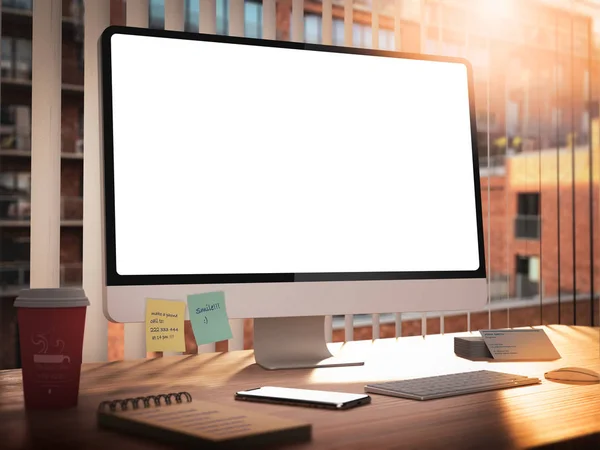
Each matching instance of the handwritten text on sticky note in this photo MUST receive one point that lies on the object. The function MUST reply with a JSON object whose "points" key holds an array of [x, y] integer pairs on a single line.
{"points": [[208, 316], [164, 326]]}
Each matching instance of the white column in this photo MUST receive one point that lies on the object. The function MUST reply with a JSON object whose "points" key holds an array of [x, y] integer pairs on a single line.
{"points": [[174, 15], [398, 320], [348, 19], [208, 16], [440, 24], [423, 324], [237, 330], [327, 22], [45, 143], [328, 328], [236, 28], [397, 26], [137, 13], [349, 328], [236, 17], [423, 26], [95, 344], [298, 20], [134, 337], [269, 19], [376, 328]]}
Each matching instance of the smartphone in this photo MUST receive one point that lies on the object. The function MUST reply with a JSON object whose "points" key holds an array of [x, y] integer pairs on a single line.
{"points": [[303, 397]]}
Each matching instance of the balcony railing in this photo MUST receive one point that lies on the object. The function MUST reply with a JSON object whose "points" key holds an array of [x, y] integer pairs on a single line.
{"points": [[15, 276], [528, 227], [17, 207], [492, 161]]}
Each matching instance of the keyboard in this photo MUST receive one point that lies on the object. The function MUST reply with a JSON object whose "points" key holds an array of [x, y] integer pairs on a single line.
{"points": [[450, 385]]}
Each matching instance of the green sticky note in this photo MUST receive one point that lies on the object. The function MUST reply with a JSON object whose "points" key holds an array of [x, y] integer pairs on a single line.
{"points": [[208, 315]]}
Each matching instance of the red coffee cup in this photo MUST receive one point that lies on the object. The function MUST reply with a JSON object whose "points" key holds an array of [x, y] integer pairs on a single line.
{"points": [[51, 325]]}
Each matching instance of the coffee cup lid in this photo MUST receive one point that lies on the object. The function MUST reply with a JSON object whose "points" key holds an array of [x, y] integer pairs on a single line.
{"points": [[52, 298]]}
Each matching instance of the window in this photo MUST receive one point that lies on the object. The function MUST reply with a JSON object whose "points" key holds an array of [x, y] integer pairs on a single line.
{"points": [[313, 29], [512, 118], [482, 120], [557, 118], [16, 58], [386, 40], [529, 204], [222, 16], [338, 32], [6, 63], [157, 14], [17, 4], [253, 19], [528, 221], [15, 127], [22, 52], [362, 35], [192, 16], [357, 35], [527, 271]]}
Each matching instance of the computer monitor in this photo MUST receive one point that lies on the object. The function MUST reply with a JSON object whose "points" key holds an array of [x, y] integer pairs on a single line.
{"points": [[302, 180]]}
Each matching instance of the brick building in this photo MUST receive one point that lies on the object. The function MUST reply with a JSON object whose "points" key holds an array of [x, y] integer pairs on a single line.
{"points": [[536, 70]]}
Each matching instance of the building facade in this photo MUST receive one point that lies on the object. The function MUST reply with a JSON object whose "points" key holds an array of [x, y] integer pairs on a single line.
{"points": [[536, 66]]}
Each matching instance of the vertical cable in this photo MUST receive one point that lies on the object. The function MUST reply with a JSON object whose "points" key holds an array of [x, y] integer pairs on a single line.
{"points": [[489, 195], [556, 80], [574, 242], [591, 169], [539, 108]]}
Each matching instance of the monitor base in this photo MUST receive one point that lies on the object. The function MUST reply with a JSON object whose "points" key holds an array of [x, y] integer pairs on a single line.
{"points": [[294, 343]]}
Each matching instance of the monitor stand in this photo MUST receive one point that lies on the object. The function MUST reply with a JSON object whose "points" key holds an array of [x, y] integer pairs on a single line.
{"points": [[294, 343]]}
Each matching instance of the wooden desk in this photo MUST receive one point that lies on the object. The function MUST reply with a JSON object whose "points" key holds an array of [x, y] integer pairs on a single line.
{"points": [[523, 417]]}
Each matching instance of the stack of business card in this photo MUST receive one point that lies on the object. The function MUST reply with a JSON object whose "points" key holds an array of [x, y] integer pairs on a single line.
{"points": [[471, 348]]}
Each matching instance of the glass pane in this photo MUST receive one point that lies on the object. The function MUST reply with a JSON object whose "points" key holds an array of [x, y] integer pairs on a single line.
{"points": [[253, 19], [312, 29], [22, 67], [222, 16], [338, 32], [192, 15], [157, 14]]}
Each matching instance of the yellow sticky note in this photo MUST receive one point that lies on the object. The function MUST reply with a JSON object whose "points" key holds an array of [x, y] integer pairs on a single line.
{"points": [[164, 326]]}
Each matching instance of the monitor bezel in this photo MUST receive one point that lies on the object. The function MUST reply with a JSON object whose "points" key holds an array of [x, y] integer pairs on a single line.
{"points": [[113, 278]]}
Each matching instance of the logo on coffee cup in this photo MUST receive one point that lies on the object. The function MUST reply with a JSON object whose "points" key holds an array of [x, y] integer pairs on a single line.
{"points": [[55, 357]]}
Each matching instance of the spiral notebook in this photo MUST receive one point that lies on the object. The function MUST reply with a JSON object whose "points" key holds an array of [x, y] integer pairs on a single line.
{"points": [[174, 419]]}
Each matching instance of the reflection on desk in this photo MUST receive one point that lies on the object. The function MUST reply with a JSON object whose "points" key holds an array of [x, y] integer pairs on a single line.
{"points": [[525, 417]]}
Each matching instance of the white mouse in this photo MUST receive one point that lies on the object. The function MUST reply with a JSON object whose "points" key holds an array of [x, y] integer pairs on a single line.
{"points": [[573, 374]]}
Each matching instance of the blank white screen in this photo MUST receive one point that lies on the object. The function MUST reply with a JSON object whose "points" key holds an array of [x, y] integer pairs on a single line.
{"points": [[243, 159]]}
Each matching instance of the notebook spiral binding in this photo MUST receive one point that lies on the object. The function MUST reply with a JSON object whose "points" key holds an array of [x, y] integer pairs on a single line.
{"points": [[144, 402]]}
